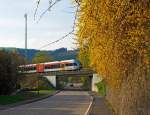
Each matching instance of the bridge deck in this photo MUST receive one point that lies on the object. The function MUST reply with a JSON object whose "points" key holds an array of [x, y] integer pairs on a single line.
{"points": [[81, 72]]}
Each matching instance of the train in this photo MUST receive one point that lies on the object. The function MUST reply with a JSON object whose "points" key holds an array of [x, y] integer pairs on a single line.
{"points": [[65, 65]]}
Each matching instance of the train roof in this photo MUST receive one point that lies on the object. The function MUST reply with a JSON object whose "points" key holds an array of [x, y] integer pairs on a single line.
{"points": [[28, 65], [71, 60], [53, 62]]}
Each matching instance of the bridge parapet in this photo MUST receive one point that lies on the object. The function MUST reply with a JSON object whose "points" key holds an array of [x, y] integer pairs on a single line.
{"points": [[82, 72]]}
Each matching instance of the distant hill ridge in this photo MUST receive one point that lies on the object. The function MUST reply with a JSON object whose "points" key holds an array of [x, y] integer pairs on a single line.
{"points": [[58, 54]]}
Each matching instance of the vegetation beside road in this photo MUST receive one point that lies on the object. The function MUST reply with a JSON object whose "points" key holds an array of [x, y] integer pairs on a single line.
{"points": [[101, 88], [113, 38], [8, 72], [22, 96]]}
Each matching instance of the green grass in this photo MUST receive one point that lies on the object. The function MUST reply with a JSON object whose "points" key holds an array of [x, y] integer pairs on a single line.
{"points": [[101, 88], [44, 91], [10, 99]]}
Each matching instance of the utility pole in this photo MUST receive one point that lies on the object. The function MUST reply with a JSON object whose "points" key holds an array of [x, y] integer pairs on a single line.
{"points": [[26, 52]]}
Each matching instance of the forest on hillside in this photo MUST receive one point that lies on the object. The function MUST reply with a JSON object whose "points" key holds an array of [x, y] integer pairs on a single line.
{"points": [[58, 54]]}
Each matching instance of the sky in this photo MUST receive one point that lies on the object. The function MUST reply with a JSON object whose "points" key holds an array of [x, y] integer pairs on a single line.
{"points": [[56, 23]]}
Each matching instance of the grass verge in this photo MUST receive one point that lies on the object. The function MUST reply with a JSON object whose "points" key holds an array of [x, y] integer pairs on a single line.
{"points": [[22, 96]]}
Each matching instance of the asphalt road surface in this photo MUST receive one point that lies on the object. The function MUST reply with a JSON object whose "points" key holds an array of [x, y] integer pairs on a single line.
{"points": [[63, 103]]}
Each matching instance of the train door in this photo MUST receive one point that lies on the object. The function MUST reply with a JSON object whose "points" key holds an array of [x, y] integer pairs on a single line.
{"points": [[62, 65], [40, 68]]}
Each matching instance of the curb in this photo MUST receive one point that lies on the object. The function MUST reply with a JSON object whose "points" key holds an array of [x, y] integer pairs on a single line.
{"points": [[28, 101]]}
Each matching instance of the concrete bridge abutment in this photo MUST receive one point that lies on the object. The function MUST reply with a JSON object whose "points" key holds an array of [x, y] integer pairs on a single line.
{"points": [[93, 79], [52, 80]]}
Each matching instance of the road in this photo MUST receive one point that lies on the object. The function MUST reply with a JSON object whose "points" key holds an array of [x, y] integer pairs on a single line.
{"points": [[63, 103]]}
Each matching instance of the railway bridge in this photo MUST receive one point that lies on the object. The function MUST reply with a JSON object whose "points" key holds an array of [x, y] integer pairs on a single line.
{"points": [[53, 77]]}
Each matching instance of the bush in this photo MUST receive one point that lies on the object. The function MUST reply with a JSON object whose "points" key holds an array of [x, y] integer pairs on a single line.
{"points": [[101, 88]]}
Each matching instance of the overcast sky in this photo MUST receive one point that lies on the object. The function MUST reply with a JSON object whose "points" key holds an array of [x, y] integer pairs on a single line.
{"points": [[55, 24]]}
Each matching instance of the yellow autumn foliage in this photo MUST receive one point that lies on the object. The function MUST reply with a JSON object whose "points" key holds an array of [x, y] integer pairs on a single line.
{"points": [[115, 35]]}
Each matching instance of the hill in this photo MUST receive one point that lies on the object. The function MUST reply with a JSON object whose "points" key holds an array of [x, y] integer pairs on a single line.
{"points": [[58, 54]]}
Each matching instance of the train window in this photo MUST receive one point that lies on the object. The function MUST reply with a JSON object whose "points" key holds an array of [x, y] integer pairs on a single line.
{"points": [[48, 67], [20, 69], [75, 64], [25, 68], [52, 66], [56, 66], [69, 64], [33, 68]]}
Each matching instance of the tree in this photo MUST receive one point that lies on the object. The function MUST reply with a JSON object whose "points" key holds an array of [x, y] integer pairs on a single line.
{"points": [[114, 34], [8, 72], [41, 57]]}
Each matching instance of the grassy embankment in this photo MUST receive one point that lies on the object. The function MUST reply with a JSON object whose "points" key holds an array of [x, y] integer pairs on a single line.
{"points": [[10, 99]]}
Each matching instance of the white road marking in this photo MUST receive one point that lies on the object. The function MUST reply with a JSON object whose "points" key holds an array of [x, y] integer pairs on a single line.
{"points": [[86, 113]]}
